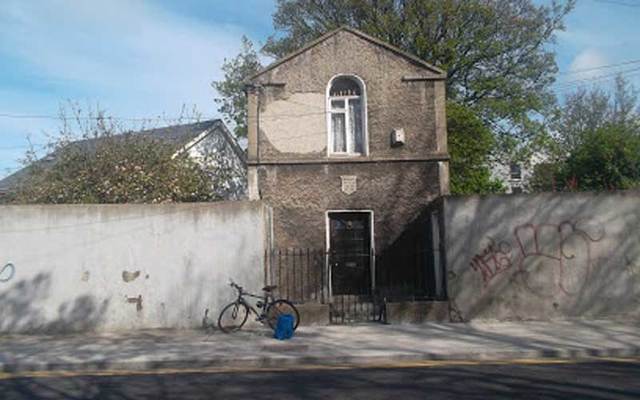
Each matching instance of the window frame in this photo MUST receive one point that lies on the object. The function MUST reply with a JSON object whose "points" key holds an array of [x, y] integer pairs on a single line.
{"points": [[513, 167], [363, 111]]}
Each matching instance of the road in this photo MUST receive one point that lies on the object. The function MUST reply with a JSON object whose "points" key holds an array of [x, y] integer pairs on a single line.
{"points": [[610, 379]]}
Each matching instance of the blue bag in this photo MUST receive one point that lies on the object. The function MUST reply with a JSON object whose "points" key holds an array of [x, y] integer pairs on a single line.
{"points": [[284, 327]]}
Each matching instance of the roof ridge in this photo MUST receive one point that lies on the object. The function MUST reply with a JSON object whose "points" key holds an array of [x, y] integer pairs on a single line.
{"points": [[354, 31], [211, 121]]}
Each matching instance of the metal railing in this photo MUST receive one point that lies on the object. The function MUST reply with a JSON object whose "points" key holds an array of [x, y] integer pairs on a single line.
{"points": [[301, 274], [317, 276]]}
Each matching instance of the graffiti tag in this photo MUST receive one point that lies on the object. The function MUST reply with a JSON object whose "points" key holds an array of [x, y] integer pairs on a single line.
{"points": [[563, 247], [7, 272], [493, 260]]}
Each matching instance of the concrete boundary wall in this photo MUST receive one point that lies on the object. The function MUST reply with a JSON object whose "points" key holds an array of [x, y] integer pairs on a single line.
{"points": [[125, 267], [543, 256]]}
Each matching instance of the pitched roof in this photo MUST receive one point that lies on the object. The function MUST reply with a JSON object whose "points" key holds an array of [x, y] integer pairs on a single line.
{"points": [[378, 42], [185, 137], [181, 137]]}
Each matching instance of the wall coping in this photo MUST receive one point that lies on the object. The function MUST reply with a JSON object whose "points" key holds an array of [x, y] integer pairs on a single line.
{"points": [[368, 160]]}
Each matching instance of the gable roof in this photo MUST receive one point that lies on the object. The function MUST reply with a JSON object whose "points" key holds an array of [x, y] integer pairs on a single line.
{"points": [[371, 39], [181, 137], [194, 136]]}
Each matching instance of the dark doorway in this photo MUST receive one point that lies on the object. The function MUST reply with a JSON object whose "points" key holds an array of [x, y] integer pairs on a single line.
{"points": [[350, 252]]}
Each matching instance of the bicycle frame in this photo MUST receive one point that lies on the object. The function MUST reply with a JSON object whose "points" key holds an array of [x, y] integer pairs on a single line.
{"points": [[263, 312], [264, 299]]}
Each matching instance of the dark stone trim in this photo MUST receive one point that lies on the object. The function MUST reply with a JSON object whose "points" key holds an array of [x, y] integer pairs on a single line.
{"points": [[370, 160]]}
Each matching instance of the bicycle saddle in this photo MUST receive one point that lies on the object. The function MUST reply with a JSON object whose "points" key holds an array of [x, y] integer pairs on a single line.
{"points": [[269, 288]]}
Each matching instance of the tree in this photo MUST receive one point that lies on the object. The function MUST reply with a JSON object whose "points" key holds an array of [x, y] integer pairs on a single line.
{"points": [[232, 99], [625, 102], [108, 165], [607, 158], [598, 141], [470, 144], [588, 109], [547, 177], [583, 111], [496, 53]]}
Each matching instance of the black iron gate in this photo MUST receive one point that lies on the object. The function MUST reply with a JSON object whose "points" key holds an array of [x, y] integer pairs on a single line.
{"points": [[353, 298], [341, 280], [355, 286]]}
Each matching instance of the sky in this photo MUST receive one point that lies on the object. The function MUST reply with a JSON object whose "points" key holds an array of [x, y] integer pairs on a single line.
{"points": [[147, 59]]}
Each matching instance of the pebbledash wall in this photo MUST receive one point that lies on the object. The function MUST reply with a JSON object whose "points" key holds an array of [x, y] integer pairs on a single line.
{"points": [[543, 256], [123, 267], [289, 165]]}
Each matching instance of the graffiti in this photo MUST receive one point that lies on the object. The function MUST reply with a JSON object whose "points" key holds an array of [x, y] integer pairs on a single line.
{"points": [[7, 272], [565, 247], [493, 260], [546, 256]]}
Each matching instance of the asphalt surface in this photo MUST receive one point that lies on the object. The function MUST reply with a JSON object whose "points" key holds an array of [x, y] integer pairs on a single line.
{"points": [[548, 380]]}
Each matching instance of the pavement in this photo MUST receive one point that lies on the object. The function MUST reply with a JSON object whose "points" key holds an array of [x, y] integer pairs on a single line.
{"points": [[359, 345]]}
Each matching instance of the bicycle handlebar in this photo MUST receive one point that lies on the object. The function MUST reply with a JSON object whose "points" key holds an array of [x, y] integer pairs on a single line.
{"points": [[235, 286]]}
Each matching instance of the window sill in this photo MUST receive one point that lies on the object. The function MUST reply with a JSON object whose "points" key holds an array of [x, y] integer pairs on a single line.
{"points": [[346, 155]]}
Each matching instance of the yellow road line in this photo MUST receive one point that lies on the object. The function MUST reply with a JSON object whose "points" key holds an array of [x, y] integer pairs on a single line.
{"points": [[307, 367]]}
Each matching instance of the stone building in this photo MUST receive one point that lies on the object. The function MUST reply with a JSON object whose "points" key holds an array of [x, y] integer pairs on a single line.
{"points": [[516, 176], [347, 143]]}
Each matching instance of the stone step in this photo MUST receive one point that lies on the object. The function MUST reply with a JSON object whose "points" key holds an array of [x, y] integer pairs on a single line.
{"points": [[354, 312], [350, 298]]}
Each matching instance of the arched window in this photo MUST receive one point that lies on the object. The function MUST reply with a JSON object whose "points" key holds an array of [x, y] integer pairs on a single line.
{"points": [[347, 116]]}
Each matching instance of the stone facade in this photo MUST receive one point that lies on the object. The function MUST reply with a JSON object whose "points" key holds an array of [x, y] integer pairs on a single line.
{"points": [[289, 164]]}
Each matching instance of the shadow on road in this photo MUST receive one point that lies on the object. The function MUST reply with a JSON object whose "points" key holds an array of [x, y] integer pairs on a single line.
{"points": [[551, 381]]}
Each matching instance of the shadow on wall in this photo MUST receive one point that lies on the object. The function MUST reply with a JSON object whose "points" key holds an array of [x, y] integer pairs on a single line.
{"points": [[544, 256], [200, 289], [22, 309]]}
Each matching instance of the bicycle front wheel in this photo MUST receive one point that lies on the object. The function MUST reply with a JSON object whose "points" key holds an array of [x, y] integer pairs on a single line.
{"points": [[282, 307], [233, 317]]}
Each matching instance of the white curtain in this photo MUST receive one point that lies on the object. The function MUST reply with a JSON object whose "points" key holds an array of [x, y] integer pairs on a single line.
{"points": [[355, 123], [338, 127]]}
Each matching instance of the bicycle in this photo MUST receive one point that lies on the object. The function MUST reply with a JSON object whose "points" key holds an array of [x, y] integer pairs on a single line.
{"points": [[235, 315]]}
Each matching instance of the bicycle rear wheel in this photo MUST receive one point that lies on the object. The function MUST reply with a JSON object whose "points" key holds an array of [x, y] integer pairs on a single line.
{"points": [[281, 307], [233, 317]]}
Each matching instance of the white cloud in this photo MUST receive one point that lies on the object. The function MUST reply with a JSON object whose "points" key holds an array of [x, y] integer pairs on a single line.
{"points": [[582, 66], [132, 56]]}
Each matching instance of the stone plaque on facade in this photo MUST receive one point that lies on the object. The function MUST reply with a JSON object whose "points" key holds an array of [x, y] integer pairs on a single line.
{"points": [[349, 184]]}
